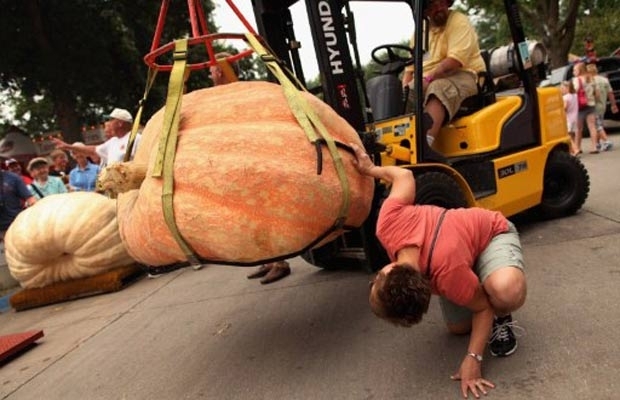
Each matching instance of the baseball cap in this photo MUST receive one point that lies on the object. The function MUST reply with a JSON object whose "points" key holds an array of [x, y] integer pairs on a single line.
{"points": [[121, 114], [79, 144], [10, 161], [37, 161]]}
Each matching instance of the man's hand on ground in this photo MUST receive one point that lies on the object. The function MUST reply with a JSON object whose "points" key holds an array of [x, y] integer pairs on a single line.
{"points": [[471, 378]]}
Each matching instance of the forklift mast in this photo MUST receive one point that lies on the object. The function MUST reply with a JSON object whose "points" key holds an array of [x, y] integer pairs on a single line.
{"points": [[331, 31], [341, 83]]}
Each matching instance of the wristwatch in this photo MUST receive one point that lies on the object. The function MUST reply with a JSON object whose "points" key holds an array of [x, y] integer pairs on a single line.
{"points": [[478, 357]]}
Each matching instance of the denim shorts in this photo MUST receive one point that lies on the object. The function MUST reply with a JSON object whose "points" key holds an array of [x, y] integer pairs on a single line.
{"points": [[584, 112], [503, 251]]}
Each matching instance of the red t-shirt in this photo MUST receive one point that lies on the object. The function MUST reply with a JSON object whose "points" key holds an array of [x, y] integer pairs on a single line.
{"points": [[464, 234]]}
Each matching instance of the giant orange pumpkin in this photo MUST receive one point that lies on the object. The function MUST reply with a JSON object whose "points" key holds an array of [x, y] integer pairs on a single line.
{"points": [[246, 184]]}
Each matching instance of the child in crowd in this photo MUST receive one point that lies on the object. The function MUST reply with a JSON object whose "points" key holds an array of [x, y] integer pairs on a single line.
{"points": [[571, 108]]}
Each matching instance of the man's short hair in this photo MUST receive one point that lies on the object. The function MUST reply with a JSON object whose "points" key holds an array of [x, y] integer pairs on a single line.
{"points": [[403, 294]]}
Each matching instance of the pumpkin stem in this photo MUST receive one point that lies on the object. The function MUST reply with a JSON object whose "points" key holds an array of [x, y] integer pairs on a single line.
{"points": [[120, 178]]}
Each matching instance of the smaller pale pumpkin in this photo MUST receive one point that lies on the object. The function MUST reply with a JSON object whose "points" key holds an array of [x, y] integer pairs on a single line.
{"points": [[63, 237]]}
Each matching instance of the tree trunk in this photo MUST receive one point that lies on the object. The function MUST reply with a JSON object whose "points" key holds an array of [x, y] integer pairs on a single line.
{"points": [[64, 101], [557, 35], [67, 117]]}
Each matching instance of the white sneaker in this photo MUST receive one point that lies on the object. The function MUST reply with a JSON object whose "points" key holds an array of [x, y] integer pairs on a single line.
{"points": [[607, 145]]}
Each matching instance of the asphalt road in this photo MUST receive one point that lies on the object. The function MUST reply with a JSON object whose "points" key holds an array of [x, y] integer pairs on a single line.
{"points": [[213, 334]]}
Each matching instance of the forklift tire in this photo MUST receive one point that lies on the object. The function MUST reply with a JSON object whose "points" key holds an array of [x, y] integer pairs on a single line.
{"points": [[566, 186], [371, 256], [439, 189]]}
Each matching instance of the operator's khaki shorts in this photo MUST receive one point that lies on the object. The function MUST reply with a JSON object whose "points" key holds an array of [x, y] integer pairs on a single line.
{"points": [[450, 91], [503, 251]]}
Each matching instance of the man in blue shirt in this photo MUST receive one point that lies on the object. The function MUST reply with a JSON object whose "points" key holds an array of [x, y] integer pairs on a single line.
{"points": [[13, 194]]}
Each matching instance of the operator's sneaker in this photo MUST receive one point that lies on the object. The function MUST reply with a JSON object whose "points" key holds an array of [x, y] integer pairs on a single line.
{"points": [[503, 341], [607, 145]]}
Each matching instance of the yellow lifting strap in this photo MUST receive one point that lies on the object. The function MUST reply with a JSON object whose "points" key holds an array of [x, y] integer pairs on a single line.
{"points": [[307, 119], [227, 70], [150, 78], [164, 162]]}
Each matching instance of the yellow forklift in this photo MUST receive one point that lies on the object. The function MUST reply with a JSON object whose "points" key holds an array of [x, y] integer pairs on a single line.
{"points": [[507, 151]]}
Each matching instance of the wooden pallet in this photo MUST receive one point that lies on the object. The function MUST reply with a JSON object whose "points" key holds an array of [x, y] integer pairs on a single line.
{"points": [[110, 281]]}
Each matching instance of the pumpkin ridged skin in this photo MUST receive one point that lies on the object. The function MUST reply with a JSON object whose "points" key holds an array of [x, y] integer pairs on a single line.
{"points": [[246, 187], [63, 237]]}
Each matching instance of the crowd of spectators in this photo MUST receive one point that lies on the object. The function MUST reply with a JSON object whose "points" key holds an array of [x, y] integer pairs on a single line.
{"points": [[68, 168]]}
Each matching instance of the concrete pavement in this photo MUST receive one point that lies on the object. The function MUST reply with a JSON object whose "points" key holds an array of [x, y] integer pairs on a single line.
{"points": [[213, 334]]}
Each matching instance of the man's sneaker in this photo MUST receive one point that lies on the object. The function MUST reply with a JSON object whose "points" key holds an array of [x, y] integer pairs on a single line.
{"points": [[503, 341], [607, 145]]}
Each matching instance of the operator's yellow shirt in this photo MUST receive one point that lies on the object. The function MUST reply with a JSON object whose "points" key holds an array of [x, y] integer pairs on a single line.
{"points": [[458, 40]]}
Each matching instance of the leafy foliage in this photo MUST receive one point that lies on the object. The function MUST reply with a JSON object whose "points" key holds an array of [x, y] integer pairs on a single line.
{"points": [[599, 22], [562, 26], [71, 61]]}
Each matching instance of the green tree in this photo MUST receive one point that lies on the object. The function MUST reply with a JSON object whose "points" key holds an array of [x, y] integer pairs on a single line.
{"points": [[562, 26], [551, 22], [596, 21], [70, 61]]}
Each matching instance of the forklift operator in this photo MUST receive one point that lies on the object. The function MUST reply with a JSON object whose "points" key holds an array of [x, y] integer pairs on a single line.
{"points": [[451, 66]]}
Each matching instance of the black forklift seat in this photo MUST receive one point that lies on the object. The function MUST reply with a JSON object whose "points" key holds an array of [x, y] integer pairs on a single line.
{"points": [[385, 92], [486, 91]]}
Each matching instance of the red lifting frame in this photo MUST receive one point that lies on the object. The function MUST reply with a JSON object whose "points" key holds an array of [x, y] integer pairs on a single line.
{"points": [[200, 34]]}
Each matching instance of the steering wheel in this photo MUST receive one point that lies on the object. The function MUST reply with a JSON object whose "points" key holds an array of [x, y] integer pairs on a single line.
{"points": [[392, 53]]}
